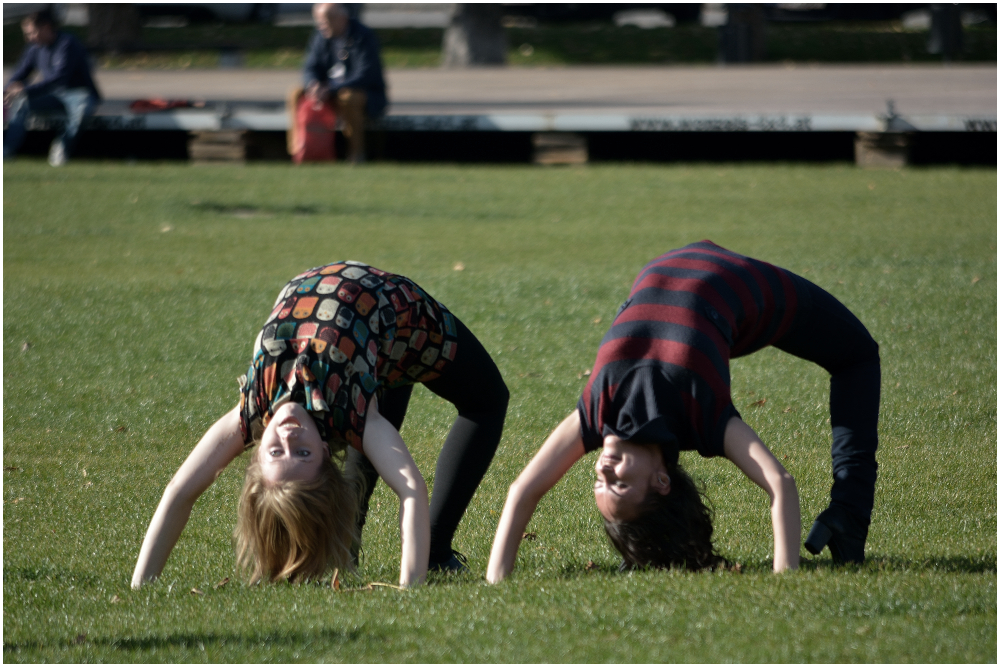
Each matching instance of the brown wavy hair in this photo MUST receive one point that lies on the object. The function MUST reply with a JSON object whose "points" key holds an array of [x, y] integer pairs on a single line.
{"points": [[296, 530], [674, 530]]}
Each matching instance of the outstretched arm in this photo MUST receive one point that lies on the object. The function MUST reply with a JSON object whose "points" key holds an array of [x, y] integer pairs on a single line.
{"points": [[221, 444], [744, 448], [561, 450], [385, 448]]}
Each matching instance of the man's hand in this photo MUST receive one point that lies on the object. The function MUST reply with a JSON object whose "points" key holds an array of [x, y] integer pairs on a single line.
{"points": [[317, 92], [13, 90]]}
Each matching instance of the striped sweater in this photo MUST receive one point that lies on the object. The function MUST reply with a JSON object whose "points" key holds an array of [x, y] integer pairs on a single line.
{"points": [[662, 371]]}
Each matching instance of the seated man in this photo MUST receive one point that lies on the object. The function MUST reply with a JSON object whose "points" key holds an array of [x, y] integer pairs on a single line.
{"points": [[343, 66], [66, 85]]}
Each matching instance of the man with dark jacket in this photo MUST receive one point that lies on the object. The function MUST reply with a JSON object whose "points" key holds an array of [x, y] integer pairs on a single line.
{"points": [[65, 85], [343, 66]]}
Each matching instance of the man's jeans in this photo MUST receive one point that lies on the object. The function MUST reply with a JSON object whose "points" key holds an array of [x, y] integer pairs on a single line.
{"points": [[76, 103]]}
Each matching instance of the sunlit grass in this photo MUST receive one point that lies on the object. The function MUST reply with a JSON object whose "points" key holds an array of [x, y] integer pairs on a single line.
{"points": [[132, 295]]}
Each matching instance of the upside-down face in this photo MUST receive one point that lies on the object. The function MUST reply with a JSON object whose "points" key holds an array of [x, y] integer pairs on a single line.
{"points": [[291, 447], [626, 473]]}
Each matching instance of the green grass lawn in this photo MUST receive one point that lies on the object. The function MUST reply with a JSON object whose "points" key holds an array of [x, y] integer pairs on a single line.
{"points": [[133, 293]]}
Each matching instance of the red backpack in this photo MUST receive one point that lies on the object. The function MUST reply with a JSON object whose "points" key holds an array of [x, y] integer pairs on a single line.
{"points": [[315, 127]]}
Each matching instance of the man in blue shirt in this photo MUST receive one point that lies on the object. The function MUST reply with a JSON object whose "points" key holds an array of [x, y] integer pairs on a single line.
{"points": [[65, 85], [344, 67]]}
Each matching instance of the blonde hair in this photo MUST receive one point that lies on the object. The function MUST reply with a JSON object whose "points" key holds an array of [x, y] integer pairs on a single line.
{"points": [[296, 530]]}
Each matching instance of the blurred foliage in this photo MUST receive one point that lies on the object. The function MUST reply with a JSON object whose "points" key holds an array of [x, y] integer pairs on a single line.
{"points": [[265, 46]]}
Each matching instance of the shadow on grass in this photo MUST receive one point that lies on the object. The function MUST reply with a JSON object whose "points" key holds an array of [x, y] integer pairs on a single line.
{"points": [[252, 210], [878, 563], [248, 211], [955, 564], [195, 640], [48, 572]]}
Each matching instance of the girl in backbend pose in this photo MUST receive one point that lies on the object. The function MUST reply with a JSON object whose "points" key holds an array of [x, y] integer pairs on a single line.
{"points": [[332, 371], [661, 385]]}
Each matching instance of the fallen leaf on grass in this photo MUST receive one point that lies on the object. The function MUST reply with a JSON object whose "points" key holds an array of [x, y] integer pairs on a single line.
{"points": [[221, 583], [903, 447], [27, 346], [531, 537], [974, 281], [758, 403], [583, 374], [84, 472], [591, 565], [736, 567], [596, 320], [955, 392], [166, 228], [11, 469], [379, 583], [195, 591], [362, 589], [115, 599], [121, 429], [17, 500], [788, 409], [459, 266], [88, 485]]}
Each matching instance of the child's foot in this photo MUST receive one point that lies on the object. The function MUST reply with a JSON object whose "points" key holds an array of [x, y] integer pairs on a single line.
{"points": [[844, 534], [454, 562]]}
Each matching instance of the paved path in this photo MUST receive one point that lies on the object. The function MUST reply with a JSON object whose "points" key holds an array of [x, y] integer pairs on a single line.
{"points": [[765, 89]]}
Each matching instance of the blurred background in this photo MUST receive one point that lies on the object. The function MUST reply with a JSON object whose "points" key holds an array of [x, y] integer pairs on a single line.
{"points": [[263, 45]]}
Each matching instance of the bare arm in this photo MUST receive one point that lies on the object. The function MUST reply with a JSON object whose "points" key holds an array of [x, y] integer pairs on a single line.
{"points": [[744, 448], [561, 450], [385, 448], [221, 444]]}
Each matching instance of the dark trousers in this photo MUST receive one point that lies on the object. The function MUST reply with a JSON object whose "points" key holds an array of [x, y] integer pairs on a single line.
{"points": [[827, 333], [472, 383], [76, 103]]}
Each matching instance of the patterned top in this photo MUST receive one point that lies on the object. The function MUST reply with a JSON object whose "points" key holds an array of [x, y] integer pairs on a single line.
{"points": [[662, 371], [337, 335]]}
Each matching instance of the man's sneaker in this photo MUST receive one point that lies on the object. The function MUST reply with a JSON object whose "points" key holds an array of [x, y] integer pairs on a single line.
{"points": [[455, 563], [57, 154], [844, 534]]}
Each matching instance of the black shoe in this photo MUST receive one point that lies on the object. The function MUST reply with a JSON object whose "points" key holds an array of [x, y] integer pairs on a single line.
{"points": [[455, 563], [844, 534]]}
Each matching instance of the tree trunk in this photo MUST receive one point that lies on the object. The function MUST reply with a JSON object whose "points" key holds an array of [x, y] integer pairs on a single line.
{"points": [[113, 27], [475, 36], [741, 40], [946, 31]]}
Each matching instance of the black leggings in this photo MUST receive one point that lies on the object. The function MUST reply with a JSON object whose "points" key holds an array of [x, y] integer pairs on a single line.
{"points": [[827, 333], [472, 383]]}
